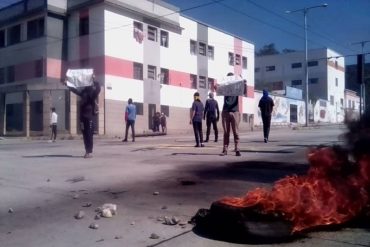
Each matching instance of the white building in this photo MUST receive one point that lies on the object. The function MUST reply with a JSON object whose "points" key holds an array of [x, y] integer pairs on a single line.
{"points": [[326, 78], [144, 50]]}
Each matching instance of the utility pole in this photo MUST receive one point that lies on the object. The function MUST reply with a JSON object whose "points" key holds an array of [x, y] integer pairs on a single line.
{"points": [[305, 12], [361, 79]]}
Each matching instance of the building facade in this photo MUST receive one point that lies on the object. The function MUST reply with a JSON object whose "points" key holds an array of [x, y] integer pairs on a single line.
{"points": [[144, 50], [326, 78]]}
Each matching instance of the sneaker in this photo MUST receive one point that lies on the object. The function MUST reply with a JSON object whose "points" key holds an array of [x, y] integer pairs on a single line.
{"points": [[124, 140], [206, 140], [133, 140], [224, 153], [88, 155], [216, 140], [202, 145], [197, 146], [265, 140], [237, 153]]}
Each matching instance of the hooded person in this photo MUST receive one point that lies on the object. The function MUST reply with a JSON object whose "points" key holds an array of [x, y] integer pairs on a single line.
{"points": [[211, 115], [196, 114], [266, 104]]}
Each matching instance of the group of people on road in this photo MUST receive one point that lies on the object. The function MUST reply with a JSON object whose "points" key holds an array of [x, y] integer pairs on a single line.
{"points": [[230, 116], [159, 120]]}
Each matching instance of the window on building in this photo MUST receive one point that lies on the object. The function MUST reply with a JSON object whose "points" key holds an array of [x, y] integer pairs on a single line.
{"points": [[244, 62], [193, 47], [202, 82], [2, 75], [322, 103], [296, 65], [312, 63], [341, 102], [10, 74], [138, 71], [231, 58], [2, 38], [138, 32], [270, 68], [166, 110], [84, 25], [336, 64], [139, 108], [256, 70], [331, 99], [211, 84], [193, 81], [164, 38], [35, 28], [164, 76], [152, 72], [336, 82], [14, 34], [211, 52], [313, 80], [202, 49], [39, 68], [237, 59], [152, 33], [353, 104], [296, 82], [349, 104]]}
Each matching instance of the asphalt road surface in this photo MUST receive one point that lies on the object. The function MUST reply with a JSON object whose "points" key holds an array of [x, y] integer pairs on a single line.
{"points": [[43, 185]]}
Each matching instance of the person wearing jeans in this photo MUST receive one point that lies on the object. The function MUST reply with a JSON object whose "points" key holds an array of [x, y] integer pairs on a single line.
{"points": [[130, 117]]}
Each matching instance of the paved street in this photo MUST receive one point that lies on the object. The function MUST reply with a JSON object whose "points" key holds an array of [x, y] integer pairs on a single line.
{"points": [[46, 184]]}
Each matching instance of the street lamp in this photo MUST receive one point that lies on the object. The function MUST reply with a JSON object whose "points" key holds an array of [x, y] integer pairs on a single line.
{"points": [[305, 11]]}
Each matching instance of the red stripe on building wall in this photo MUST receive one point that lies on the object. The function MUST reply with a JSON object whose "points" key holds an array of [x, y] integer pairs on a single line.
{"points": [[181, 79], [119, 67], [238, 45], [53, 68], [250, 91]]}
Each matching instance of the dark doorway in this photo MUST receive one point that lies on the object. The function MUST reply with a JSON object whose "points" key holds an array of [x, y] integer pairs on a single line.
{"points": [[151, 112], [293, 113]]}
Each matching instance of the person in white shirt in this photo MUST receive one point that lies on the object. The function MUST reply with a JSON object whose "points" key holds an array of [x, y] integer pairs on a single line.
{"points": [[53, 124]]}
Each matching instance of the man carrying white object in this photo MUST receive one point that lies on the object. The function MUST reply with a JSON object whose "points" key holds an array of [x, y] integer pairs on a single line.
{"points": [[77, 78], [231, 86]]}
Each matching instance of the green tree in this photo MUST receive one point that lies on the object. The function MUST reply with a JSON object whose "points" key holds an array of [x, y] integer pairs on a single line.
{"points": [[269, 49]]}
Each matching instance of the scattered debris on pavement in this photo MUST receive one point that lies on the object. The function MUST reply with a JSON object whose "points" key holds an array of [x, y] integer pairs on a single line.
{"points": [[155, 193], [10, 210], [76, 179], [87, 204], [79, 215], [154, 236], [94, 226]]}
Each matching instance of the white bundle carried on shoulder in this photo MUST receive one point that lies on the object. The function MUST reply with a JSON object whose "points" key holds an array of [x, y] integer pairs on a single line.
{"points": [[78, 78], [231, 86]]}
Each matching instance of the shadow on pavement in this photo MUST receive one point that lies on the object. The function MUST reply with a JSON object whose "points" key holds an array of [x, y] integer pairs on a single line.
{"points": [[52, 156], [254, 171]]}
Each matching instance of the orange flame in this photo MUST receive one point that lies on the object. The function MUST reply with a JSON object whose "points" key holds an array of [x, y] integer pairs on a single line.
{"points": [[332, 192]]}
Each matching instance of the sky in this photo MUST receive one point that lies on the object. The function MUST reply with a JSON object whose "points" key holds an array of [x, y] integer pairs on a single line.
{"points": [[339, 26]]}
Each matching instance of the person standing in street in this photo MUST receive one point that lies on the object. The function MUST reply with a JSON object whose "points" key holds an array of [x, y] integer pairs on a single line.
{"points": [[163, 123], [196, 114], [88, 96], [53, 124], [211, 115], [130, 117], [266, 104], [230, 121]]}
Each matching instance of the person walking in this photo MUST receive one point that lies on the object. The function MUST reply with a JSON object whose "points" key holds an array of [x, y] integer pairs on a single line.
{"points": [[53, 125], [230, 121], [211, 115], [163, 123], [196, 114], [266, 104], [88, 96], [130, 117]]}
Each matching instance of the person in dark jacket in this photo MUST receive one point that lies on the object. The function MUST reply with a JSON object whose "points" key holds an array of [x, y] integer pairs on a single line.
{"points": [[88, 96], [211, 115], [230, 121], [196, 114], [266, 104]]}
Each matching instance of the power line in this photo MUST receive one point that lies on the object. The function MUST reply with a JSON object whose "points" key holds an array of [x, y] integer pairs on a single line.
{"points": [[299, 25]]}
